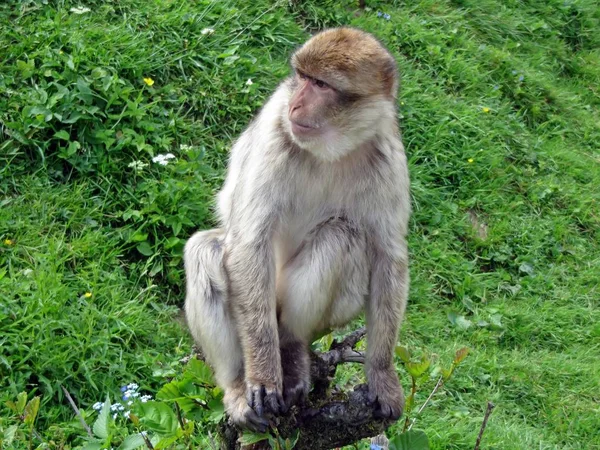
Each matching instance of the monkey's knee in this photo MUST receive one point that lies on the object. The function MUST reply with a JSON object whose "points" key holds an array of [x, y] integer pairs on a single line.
{"points": [[206, 309]]}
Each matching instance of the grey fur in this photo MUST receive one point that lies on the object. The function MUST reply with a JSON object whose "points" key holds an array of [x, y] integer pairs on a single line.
{"points": [[304, 242]]}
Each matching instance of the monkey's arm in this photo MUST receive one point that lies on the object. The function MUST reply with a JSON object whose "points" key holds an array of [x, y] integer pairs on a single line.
{"points": [[388, 297], [250, 266], [385, 309]]}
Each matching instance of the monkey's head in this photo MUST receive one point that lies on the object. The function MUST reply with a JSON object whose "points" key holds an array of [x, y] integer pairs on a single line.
{"points": [[342, 92]]}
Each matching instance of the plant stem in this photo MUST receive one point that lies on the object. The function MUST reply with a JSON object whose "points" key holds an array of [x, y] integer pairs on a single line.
{"points": [[488, 412], [77, 413], [437, 386]]}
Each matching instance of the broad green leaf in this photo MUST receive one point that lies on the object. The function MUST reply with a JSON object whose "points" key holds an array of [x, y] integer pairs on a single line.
{"points": [[496, 320], [165, 442], [100, 426], [132, 442], [158, 417], [199, 371], [447, 373], [62, 134], [417, 369], [252, 438], [31, 411], [403, 353], [21, 402], [217, 410], [73, 148], [459, 321], [94, 445], [9, 435], [411, 440], [170, 391], [145, 249]]}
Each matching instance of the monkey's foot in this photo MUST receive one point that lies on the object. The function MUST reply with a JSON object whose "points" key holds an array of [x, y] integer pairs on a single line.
{"points": [[241, 414], [295, 390], [264, 399], [386, 392]]}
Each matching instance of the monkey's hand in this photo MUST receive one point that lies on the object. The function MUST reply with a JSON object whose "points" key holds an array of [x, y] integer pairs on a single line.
{"points": [[241, 414], [264, 396], [385, 391]]}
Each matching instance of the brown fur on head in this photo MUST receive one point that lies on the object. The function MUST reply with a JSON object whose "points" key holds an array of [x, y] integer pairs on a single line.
{"points": [[350, 60]]}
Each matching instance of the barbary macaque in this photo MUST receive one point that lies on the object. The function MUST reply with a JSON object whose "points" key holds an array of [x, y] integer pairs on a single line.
{"points": [[313, 222]]}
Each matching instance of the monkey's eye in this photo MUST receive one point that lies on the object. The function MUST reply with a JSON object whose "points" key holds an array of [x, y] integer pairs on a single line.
{"points": [[301, 76], [321, 84]]}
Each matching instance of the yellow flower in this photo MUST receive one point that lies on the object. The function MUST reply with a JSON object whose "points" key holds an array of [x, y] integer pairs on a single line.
{"points": [[486, 109], [470, 160], [87, 294], [9, 242], [149, 81]]}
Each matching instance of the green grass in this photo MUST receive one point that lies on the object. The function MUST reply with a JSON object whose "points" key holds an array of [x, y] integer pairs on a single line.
{"points": [[499, 111]]}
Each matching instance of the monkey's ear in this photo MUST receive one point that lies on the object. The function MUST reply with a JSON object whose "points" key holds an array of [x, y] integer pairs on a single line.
{"points": [[389, 74]]}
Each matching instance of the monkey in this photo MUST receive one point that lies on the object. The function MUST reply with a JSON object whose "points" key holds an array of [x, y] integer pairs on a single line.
{"points": [[313, 221]]}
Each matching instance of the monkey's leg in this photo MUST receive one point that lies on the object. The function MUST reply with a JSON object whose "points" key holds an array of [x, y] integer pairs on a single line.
{"points": [[211, 323], [323, 285]]}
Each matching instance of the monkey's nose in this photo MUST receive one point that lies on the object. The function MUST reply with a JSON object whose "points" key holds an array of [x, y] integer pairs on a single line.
{"points": [[294, 107]]}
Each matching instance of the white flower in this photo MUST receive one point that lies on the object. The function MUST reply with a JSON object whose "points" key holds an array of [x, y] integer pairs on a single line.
{"points": [[126, 414], [114, 416], [185, 148], [98, 406], [208, 31], [134, 386], [163, 160], [80, 10], [130, 402], [249, 82], [145, 398], [137, 165]]}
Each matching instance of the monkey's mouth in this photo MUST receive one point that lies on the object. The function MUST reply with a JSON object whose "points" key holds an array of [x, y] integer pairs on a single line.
{"points": [[304, 130]]}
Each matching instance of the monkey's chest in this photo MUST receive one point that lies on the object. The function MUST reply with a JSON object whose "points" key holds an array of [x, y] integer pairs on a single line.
{"points": [[296, 230]]}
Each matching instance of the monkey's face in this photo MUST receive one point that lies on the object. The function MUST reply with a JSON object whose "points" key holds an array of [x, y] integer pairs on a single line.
{"points": [[329, 122], [310, 107]]}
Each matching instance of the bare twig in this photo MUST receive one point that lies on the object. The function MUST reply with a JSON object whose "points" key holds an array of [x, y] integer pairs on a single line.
{"points": [[437, 386], [488, 412], [77, 413], [147, 441], [179, 416]]}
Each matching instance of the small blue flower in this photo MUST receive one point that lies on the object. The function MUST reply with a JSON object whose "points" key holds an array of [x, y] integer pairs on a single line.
{"points": [[514, 72], [125, 397], [123, 388], [379, 14], [521, 77], [496, 87], [387, 16], [376, 447]]}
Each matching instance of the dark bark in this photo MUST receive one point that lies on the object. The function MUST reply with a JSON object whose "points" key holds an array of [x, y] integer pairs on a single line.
{"points": [[329, 418]]}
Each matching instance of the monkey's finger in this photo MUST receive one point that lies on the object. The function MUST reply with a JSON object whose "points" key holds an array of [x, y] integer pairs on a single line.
{"points": [[274, 402], [294, 395], [255, 399], [256, 423]]}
